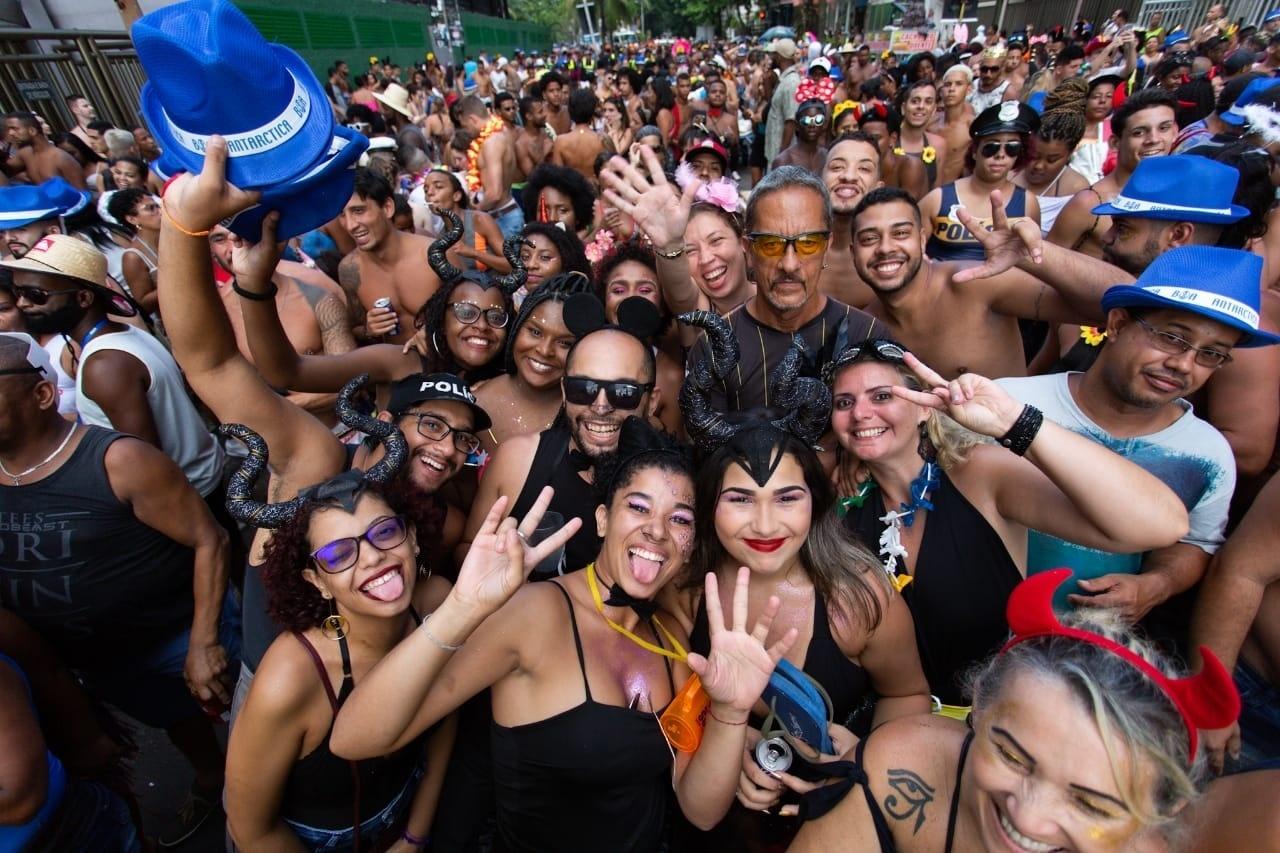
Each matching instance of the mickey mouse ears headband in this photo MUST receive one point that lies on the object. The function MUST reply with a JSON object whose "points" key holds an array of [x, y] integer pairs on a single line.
{"points": [[1206, 700], [448, 273], [637, 316], [343, 489], [806, 401]]}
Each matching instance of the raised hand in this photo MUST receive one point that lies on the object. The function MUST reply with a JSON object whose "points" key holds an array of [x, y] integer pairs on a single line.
{"points": [[497, 563], [1005, 245], [974, 402], [198, 202], [255, 263], [657, 208], [738, 668]]}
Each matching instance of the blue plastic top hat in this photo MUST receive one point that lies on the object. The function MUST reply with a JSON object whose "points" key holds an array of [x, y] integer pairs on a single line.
{"points": [[1273, 15], [66, 199], [1178, 188], [313, 198], [1222, 284], [23, 204], [210, 71], [1234, 115]]}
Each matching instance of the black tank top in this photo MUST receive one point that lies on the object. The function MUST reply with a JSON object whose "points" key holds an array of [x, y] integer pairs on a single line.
{"points": [[595, 777], [845, 681], [328, 792], [574, 498], [77, 564], [963, 578]]}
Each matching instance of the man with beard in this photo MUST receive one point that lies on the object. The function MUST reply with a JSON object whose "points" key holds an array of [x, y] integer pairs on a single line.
{"points": [[126, 380], [806, 151], [788, 229], [83, 112], [436, 412], [32, 152], [312, 311], [882, 123], [852, 170], [1166, 336], [386, 263], [940, 311], [532, 144], [504, 104], [720, 119], [992, 86], [112, 556], [1186, 200], [1144, 126], [608, 376], [495, 164]]}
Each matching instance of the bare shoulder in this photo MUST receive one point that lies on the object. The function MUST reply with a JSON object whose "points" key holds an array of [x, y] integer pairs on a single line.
{"points": [[924, 744], [286, 679]]}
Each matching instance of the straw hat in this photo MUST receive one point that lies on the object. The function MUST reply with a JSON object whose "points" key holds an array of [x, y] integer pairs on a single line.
{"points": [[73, 258], [396, 97]]}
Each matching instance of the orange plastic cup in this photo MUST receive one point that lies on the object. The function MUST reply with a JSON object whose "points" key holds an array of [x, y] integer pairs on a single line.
{"points": [[686, 716]]}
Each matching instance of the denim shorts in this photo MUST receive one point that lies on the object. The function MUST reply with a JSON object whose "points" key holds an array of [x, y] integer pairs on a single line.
{"points": [[1259, 722], [382, 828], [150, 688], [510, 221]]}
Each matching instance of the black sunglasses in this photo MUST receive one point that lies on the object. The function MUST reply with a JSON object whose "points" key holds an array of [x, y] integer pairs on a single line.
{"points": [[583, 391], [991, 149], [988, 69], [37, 295]]}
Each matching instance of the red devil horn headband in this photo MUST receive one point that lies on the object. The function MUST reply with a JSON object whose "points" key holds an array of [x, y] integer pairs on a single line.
{"points": [[1206, 700]]}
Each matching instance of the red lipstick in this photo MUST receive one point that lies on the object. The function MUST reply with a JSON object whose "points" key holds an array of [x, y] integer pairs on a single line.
{"points": [[765, 546]]}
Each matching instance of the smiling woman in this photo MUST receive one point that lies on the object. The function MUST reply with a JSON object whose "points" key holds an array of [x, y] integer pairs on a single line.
{"points": [[580, 760]]}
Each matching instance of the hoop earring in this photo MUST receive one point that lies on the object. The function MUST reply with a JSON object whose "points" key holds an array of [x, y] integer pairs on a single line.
{"points": [[334, 626], [435, 344]]}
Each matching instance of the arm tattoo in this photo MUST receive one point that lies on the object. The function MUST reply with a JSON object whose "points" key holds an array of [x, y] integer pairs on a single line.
{"points": [[915, 795], [335, 328], [314, 295], [349, 281]]}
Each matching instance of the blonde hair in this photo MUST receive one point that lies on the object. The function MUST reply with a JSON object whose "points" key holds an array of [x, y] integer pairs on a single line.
{"points": [[1134, 716]]}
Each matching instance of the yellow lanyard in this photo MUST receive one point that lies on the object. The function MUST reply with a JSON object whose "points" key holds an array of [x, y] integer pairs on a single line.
{"points": [[679, 654]]}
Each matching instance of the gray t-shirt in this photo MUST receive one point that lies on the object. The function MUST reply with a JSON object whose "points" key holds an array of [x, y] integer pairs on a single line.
{"points": [[1189, 456], [782, 109]]}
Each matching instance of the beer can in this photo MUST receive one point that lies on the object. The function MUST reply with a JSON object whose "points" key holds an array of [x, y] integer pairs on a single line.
{"points": [[385, 302]]}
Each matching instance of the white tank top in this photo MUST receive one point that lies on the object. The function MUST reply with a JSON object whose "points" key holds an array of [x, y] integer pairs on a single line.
{"points": [[1050, 207], [66, 385], [183, 434]]}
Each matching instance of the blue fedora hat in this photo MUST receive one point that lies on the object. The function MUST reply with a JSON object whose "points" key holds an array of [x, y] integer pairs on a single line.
{"points": [[1273, 15], [1179, 188], [1222, 284], [211, 72], [312, 199], [1178, 36], [1234, 115], [67, 199], [23, 204]]}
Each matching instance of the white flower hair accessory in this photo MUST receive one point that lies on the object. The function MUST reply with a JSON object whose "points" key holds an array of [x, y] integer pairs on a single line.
{"points": [[1263, 121]]}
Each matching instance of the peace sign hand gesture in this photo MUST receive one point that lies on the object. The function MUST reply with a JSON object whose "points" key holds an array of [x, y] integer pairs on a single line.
{"points": [[658, 208], [1005, 245], [975, 402], [496, 565], [738, 668]]}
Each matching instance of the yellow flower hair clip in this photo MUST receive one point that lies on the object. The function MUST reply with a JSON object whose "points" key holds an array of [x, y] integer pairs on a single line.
{"points": [[929, 154], [1092, 335], [842, 107]]}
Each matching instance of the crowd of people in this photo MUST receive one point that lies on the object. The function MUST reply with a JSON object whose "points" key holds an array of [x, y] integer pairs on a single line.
{"points": [[943, 388]]}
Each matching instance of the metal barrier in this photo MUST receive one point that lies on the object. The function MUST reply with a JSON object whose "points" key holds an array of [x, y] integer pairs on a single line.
{"points": [[40, 68]]}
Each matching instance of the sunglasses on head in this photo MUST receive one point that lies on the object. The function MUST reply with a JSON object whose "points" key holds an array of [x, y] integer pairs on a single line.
{"points": [[467, 313], [583, 391], [880, 349], [775, 245], [341, 554], [37, 295], [991, 149]]}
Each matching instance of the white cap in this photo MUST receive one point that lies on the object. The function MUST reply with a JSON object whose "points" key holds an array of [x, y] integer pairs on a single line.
{"points": [[821, 62], [35, 355]]}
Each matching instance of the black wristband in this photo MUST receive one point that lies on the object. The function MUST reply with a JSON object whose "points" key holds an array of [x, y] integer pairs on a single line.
{"points": [[1024, 430], [266, 296]]}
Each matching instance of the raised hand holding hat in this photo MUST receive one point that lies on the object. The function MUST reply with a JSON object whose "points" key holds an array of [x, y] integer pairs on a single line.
{"points": [[211, 72], [196, 202]]}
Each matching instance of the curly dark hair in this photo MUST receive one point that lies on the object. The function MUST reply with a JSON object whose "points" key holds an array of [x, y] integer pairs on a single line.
{"points": [[630, 250], [431, 316], [295, 604], [660, 450], [573, 255], [567, 181], [122, 203]]}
